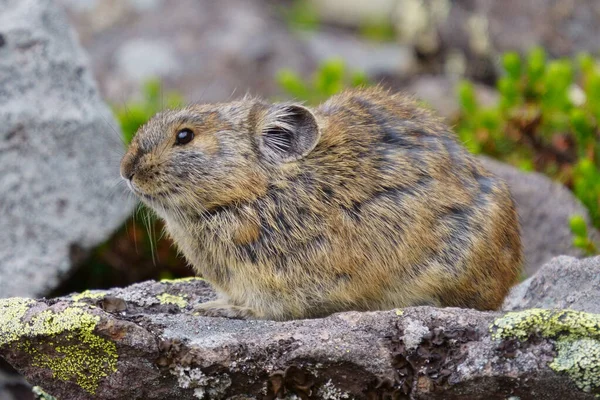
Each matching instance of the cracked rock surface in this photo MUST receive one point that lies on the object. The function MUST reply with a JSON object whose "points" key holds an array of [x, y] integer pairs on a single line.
{"points": [[163, 351]]}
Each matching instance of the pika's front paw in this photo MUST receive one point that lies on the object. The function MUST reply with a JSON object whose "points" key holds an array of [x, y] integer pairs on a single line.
{"points": [[224, 310]]}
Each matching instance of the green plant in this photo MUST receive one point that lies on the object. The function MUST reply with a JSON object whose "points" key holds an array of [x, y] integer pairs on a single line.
{"points": [[547, 119], [581, 238], [135, 114], [378, 30], [330, 78], [301, 15]]}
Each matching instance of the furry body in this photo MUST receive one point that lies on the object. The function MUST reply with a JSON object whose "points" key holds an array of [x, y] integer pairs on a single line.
{"points": [[385, 209]]}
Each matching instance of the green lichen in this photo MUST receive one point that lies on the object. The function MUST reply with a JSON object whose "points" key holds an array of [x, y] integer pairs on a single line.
{"points": [[399, 311], [577, 336], [70, 348], [167, 298], [88, 294]]}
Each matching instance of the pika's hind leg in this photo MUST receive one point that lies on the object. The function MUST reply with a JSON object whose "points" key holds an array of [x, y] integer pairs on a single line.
{"points": [[222, 308]]}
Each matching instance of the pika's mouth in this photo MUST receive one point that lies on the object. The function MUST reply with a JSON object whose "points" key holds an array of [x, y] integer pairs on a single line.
{"points": [[136, 190]]}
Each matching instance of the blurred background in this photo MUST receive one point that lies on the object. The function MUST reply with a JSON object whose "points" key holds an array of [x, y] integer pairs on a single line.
{"points": [[517, 80]]}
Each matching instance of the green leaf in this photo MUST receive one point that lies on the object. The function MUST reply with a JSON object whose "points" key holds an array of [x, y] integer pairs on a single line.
{"points": [[466, 98], [578, 226], [291, 83], [512, 65]]}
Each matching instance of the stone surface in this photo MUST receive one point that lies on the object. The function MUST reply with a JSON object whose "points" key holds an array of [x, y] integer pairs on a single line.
{"points": [[13, 386], [372, 58], [545, 208], [59, 151], [563, 282], [469, 35], [439, 92], [207, 50], [165, 352], [210, 51]]}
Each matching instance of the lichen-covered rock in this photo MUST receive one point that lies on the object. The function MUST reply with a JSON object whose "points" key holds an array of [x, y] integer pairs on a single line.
{"points": [[577, 336], [563, 283], [59, 151], [545, 208], [144, 342]]}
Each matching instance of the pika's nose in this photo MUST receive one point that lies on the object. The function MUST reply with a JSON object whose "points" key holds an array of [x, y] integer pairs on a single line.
{"points": [[128, 167]]}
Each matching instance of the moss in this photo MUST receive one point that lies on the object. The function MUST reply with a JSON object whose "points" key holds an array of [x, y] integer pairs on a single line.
{"points": [[70, 348], [577, 336], [167, 298], [88, 294]]}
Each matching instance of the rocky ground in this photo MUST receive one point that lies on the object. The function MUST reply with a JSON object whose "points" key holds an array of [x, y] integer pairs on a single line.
{"points": [[144, 342]]}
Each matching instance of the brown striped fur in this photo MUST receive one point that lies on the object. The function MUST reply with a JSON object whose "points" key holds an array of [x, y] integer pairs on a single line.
{"points": [[386, 211]]}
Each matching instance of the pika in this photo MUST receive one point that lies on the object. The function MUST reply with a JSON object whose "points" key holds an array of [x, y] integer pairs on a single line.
{"points": [[366, 202]]}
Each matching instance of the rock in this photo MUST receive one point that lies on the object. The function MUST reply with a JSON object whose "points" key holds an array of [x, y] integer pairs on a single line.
{"points": [[545, 208], [157, 349], [474, 33], [481, 30], [59, 151], [13, 386], [353, 13], [564, 282], [374, 59], [207, 50], [439, 92]]}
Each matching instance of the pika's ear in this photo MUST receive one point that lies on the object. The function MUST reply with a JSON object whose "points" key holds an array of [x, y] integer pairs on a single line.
{"points": [[287, 132]]}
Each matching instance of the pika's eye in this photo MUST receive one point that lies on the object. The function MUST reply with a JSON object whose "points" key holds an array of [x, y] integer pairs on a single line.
{"points": [[184, 136]]}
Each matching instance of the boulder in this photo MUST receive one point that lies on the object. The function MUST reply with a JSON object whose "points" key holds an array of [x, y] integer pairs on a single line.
{"points": [[468, 36], [12, 385], [207, 50], [374, 59], [564, 282], [545, 208], [144, 342], [59, 151]]}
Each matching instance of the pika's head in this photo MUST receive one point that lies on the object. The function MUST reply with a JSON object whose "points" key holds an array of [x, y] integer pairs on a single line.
{"points": [[204, 157]]}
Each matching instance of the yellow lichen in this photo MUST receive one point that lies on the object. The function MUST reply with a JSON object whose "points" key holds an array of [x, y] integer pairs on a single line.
{"points": [[167, 298], [577, 336], [399, 311], [68, 346], [11, 312], [88, 294]]}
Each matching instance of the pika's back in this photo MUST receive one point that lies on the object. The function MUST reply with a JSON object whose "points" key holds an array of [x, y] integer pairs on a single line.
{"points": [[391, 197]]}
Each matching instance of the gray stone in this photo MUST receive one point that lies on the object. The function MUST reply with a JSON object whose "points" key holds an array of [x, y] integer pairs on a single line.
{"points": [[564, 282], [545, 208], [214, 49], [142, 59], [353, 12], [439, 92], [372, 58], [59, 151], [166, 352], [13, 386]]}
